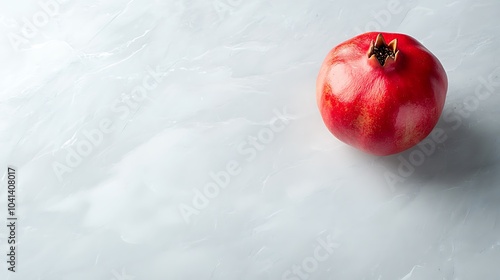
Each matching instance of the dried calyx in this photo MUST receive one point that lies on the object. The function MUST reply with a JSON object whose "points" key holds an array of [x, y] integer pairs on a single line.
{"points": [[382, 52]]}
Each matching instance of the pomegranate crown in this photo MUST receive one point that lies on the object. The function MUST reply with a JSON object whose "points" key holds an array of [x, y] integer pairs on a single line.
{"points": [[384, 53]]}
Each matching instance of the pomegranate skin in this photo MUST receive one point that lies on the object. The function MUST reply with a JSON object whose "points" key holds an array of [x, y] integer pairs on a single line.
{"points": [[381, 109]]}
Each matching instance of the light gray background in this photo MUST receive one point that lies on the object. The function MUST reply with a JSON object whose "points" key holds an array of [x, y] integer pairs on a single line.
{"points": [[113, 205]]}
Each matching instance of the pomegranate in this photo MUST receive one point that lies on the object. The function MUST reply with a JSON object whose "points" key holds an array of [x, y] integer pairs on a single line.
{"points": [[381, 98]]}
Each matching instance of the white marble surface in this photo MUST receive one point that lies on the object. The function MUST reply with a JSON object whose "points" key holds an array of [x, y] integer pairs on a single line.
{"points": [[117, 114]]}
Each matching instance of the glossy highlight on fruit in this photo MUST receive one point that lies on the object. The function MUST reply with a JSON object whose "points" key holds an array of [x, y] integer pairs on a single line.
{"points": [[379, 97]]}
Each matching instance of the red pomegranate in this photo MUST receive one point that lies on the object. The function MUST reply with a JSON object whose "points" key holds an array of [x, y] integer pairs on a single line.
{"points": [[381, 98]]}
